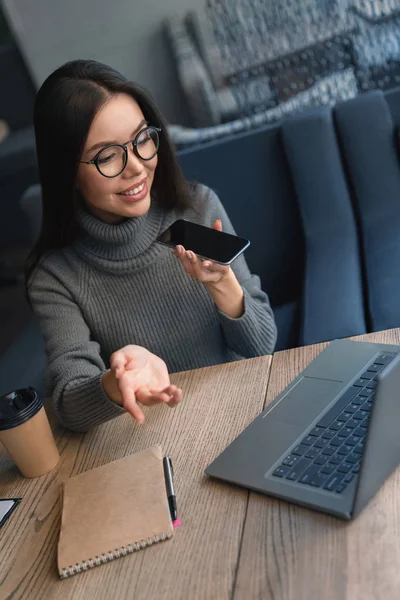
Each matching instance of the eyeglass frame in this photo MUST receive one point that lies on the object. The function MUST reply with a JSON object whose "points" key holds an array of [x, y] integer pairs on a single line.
{"points": [[94, 160]]}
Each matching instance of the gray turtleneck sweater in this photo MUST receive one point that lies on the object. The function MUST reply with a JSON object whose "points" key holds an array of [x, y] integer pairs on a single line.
{"points": [[117, 286]]}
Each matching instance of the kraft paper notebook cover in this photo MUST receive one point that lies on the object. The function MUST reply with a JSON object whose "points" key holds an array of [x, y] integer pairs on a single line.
{"points": [[113, 510]]}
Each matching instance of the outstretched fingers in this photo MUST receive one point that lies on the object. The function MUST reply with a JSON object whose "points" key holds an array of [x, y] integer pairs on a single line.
{"points": [[117, 363], [129, 399], [170, 395]]}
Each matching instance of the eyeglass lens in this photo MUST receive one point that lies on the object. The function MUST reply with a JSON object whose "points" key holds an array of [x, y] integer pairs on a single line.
{"points": [[111, 161]]}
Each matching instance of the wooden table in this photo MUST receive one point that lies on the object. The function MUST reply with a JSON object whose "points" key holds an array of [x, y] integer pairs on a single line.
{"points": [[232, 543], [201, 560], [292, 553]]}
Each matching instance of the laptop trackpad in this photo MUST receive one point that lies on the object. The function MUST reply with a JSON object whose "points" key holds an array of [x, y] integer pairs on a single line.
{"points": [[303, 403]]}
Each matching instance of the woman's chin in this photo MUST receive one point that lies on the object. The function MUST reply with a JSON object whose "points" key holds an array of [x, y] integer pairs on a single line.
{"points": [[120, 209], [135, 208]]}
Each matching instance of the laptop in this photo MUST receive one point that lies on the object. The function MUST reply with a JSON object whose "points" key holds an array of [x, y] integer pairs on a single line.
{"points": [[330, 439]]}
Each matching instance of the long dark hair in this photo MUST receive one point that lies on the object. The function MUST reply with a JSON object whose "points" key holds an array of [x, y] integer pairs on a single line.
{"points": [[65, 107]]}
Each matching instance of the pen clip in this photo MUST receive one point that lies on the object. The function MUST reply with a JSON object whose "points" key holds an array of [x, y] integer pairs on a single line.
{"points": [[171, 467]]}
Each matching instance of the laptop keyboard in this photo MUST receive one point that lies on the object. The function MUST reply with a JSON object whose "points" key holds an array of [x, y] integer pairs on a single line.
{"points": [[329, 455]]}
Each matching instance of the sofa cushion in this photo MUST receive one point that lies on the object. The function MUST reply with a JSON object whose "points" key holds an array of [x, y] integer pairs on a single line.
{"points": [[367, 134], [193, 75], [250, 174], [287, 318], [18, 170], [200, 29], [17, 151], [332, 297], [24, 363], [15, 312]]}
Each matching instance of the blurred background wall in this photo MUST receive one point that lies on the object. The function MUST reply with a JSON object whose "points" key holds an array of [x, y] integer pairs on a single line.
{"points": [[211, 62], [127, 34]]}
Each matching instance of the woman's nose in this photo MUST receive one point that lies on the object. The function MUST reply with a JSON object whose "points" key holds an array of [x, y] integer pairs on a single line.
{"points": [[134, 165]]}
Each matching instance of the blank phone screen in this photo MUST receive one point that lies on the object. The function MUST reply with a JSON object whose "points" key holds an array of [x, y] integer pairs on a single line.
{"points": [[206, 242]]}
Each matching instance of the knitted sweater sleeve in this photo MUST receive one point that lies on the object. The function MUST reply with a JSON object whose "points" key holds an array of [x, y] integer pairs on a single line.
{"points": [[75, 366], [255, 332]]}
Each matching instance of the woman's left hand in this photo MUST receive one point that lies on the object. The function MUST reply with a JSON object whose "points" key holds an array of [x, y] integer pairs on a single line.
{"points": [[205, 271]]}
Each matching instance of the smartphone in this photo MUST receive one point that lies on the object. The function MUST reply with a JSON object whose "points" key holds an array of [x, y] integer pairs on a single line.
{"points": [[207, 243]]}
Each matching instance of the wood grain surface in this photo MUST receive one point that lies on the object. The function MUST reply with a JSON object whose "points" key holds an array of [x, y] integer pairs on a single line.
{"points": [[292, 553], [200, 561]]}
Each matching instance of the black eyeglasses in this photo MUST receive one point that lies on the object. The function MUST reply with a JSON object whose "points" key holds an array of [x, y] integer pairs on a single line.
{"points": [[111, 160]]}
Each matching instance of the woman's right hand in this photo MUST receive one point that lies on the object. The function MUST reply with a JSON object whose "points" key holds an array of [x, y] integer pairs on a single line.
{"points": [[137, 375]]}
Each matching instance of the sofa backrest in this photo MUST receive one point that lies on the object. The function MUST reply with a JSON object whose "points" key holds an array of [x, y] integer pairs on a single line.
{"points": [[251, 175], [332, 299], [368, 131], [284, 188]]}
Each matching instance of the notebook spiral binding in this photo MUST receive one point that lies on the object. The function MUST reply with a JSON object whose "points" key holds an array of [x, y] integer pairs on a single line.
{"points": [[112, 555]]}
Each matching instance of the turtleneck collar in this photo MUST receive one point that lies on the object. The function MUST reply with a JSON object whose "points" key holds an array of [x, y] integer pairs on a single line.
{"points": [[121, 247]]}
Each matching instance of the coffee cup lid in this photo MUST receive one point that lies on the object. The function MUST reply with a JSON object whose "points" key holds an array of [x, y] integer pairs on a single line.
{"points": [[19, 406]]}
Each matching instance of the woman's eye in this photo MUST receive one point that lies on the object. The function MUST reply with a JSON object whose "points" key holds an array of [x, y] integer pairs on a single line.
{"points": [[105, 159], [144, 139]]}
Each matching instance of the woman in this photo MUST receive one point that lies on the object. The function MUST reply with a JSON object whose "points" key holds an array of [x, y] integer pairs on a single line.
{"points": [[118, 310]]}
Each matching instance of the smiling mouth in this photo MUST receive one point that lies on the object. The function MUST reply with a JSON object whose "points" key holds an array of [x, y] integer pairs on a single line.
{"points": [[133, 192]]}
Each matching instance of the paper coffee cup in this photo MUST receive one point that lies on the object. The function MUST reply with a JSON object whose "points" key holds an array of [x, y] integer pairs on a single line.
{"points": [[26, 434]]}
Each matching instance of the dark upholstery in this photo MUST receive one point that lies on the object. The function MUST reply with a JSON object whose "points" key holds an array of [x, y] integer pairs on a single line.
{"points": [[251, 175], [18, 170], [18, 165], [24, 362], [392, 98], [18, 91], [367, 133], [332, 293], [285, 189]]}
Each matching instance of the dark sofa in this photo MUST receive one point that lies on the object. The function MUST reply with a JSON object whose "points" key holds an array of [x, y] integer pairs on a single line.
{"points": [[319, 197], [18, 171], [302, 192], [18, 166]]}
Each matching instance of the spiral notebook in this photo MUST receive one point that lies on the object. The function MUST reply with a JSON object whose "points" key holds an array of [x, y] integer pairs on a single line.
{"points": [[112, 511]]}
